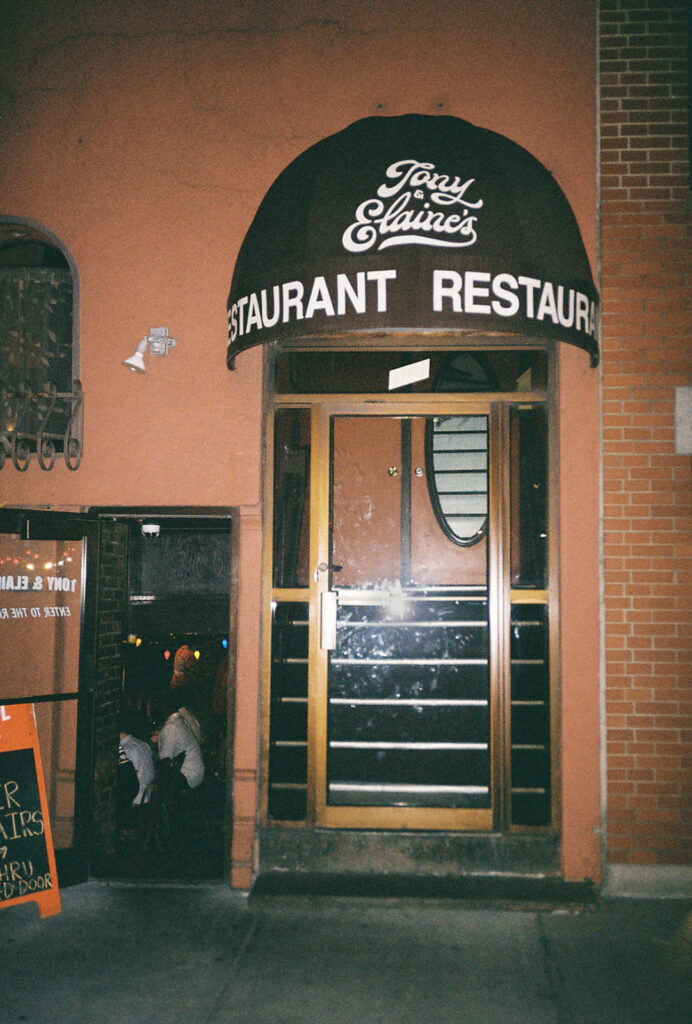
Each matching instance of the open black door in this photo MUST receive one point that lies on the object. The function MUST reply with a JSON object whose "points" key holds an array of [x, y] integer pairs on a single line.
{"points": [[46, 618]]}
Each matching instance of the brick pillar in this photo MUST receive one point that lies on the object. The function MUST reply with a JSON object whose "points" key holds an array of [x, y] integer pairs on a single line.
{"points": [[645, 217], [112, 593]]}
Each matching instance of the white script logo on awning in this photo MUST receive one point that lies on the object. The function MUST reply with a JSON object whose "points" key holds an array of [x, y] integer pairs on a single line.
{"points": [[415, 206]]}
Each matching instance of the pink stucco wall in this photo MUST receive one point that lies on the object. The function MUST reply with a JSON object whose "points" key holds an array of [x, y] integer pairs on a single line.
{"points": [[145, 136], [579, 602]]}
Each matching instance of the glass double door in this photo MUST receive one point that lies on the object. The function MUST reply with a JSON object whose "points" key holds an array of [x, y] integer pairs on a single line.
{"points": [[391, 660]]}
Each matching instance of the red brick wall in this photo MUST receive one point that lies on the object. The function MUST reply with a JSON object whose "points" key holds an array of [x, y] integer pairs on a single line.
{"points": [[111, 598], [646, 354]]}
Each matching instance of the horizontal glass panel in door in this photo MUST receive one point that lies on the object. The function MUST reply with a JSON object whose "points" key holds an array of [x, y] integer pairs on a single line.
{"points": [[352, 372], [408, 719]]}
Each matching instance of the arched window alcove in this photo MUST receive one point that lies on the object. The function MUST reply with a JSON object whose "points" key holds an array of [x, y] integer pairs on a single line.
{"points": [[40, 391]]}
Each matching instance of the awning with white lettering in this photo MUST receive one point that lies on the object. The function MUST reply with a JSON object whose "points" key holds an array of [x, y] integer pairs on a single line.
{"points": [[413, 223]]}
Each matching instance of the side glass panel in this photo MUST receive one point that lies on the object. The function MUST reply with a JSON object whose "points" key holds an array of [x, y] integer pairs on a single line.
{"points": [[40, 627], [288, 715], [291, 498], [529, 497], [530, 696], [530, 727], [408, 717]]}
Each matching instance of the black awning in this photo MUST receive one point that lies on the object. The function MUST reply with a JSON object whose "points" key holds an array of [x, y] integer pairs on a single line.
{"points": [[413, 223]]}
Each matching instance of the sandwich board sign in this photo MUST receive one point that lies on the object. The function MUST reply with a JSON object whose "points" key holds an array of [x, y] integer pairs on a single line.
{"points": [[27, 857]]}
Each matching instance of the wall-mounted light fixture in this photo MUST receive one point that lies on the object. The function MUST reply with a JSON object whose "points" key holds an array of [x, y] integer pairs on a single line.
{"points": [[159, 343]]}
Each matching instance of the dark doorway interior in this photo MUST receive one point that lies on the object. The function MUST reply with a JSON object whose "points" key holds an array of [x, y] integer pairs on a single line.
{"points": [[174, 651]]}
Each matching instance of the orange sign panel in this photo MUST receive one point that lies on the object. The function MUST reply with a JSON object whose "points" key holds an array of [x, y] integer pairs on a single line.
{"points": [[27, 858]]}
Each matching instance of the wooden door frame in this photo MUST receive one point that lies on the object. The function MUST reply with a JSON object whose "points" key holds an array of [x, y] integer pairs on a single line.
{"points": [[394, 818], [321, 409]]}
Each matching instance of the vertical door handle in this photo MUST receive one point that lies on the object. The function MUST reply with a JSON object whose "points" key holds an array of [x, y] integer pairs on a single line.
{"points": [[328, 620]]}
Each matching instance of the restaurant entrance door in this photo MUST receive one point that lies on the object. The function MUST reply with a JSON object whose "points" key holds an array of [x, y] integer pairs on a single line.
{"points": [[408, 708], [410, 665]]}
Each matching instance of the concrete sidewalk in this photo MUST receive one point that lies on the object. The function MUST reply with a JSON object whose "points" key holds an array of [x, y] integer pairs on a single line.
{"points": [[203, 954]]}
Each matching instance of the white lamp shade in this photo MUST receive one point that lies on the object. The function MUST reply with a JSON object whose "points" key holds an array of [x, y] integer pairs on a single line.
{"points": [[135, 363]]}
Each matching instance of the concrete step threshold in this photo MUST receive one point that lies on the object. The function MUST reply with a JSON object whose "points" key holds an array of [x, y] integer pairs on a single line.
{"points": [[506, 891], [476, 867]]}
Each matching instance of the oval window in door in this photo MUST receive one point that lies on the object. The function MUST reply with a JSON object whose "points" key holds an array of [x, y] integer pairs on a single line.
{"points": [[457, 453]]}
